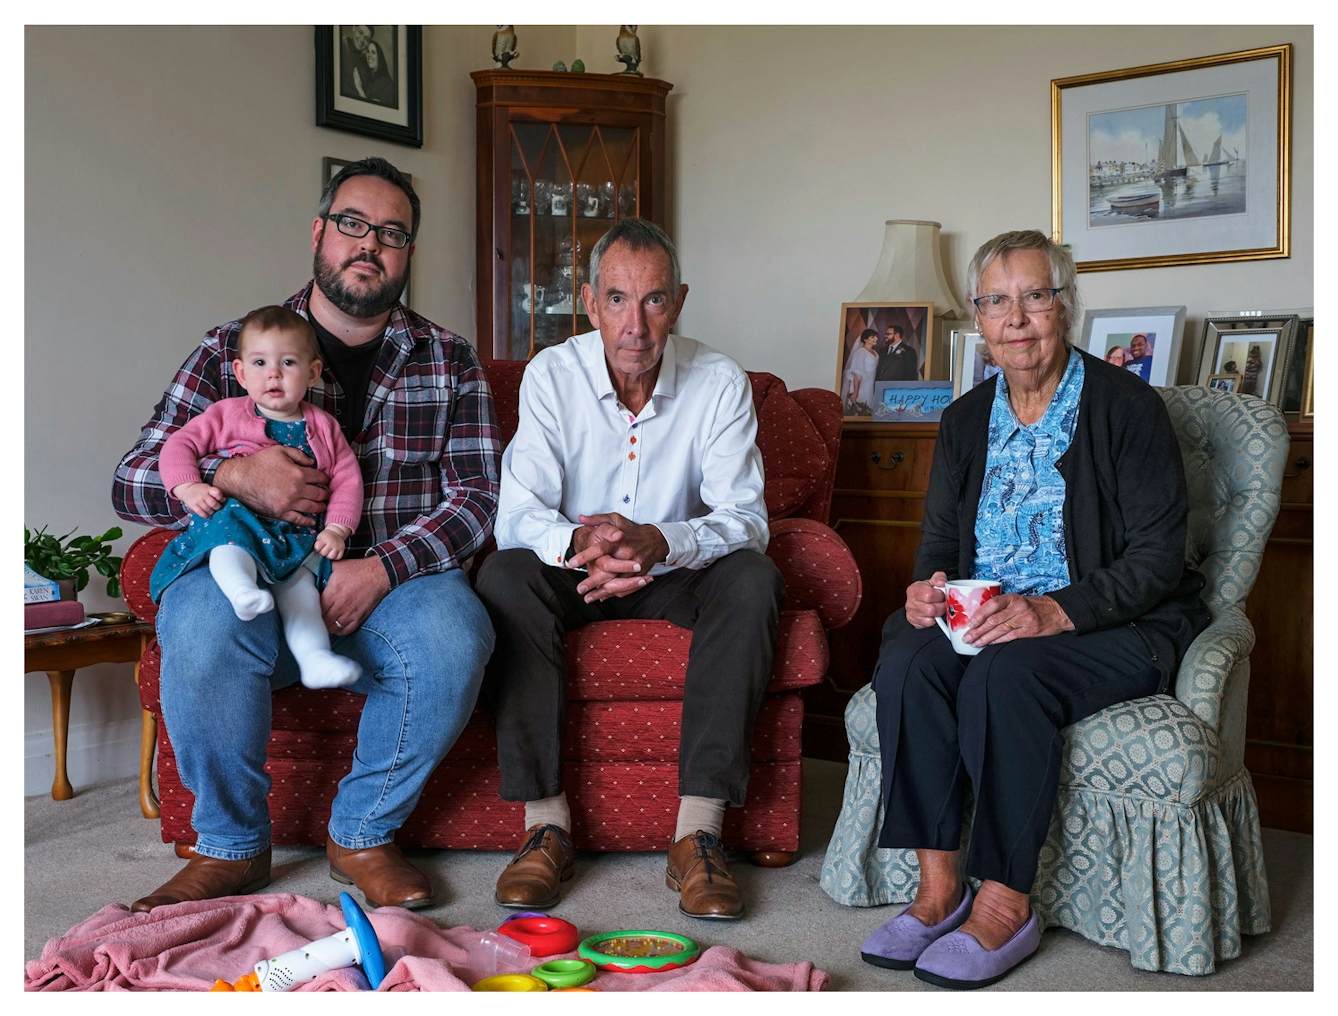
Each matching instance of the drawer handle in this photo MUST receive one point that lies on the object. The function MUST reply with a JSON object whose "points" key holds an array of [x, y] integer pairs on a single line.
{"points": [[1301, 464], [877, 460]]}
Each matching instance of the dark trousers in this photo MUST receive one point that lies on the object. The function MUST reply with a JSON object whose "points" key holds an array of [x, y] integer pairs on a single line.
{"points": [[995, 719], [732, 608]]}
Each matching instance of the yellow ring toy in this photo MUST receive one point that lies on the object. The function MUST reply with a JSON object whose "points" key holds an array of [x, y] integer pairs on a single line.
{"points": [[561, 974], [511, 982]]}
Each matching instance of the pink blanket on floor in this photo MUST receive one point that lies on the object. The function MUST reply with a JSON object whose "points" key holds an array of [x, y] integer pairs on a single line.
{"points": [[187, 946]]}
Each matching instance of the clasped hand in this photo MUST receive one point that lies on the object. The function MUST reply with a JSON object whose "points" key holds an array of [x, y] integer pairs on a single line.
{"points": [[999, 619], [617, 554], [278, 482]]}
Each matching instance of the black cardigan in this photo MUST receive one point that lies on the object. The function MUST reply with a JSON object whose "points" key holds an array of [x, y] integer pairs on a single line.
{"points": [[1125, 511]]}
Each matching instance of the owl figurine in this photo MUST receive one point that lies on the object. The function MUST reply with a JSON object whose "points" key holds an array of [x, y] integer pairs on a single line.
{"points": [[629, 49], [504, 46]]}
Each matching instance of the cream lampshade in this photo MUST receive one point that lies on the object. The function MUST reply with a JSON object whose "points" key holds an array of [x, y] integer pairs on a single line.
{"points": [[911, 270]]}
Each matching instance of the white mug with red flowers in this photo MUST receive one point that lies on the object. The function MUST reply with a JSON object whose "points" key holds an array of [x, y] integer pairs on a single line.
{"points": [[963, 598]]}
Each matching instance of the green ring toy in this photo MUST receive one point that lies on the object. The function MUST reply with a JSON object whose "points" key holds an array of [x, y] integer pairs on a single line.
{"points": [[511, 982], [639, 952], [565, 973]]}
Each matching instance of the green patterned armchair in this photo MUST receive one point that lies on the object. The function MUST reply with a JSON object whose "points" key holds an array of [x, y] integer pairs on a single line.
{"points": [[1154, 846]]}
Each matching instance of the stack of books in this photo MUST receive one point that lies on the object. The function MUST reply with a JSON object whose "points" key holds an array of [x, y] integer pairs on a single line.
{"points": [[42, 605]]}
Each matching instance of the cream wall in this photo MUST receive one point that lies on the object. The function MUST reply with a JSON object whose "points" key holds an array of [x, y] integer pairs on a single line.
{"points": [[164, 196], [789, 147]]}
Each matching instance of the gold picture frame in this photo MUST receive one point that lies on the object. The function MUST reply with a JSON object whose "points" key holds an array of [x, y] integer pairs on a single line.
{"points": [[1225, 382], [1233, 164], [1308, 391], [861, 364]]}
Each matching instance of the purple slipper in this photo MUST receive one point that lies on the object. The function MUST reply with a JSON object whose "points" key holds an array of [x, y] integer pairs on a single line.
{"points": [[899, 943], [959, 961]]}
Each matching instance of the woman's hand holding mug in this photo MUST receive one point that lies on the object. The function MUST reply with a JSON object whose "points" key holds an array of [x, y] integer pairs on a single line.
{"points": [[925, 601]]}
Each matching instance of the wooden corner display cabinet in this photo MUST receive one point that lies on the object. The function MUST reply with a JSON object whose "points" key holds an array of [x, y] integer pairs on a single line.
{"points": [[881, 477], [561, 157]]}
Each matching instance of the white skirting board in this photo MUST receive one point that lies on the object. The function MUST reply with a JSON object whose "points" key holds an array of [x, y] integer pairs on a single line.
{"points": [[96, 752]]}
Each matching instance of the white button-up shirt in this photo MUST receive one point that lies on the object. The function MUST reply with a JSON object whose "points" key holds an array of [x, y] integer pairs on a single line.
{"points": [[688, 463]]}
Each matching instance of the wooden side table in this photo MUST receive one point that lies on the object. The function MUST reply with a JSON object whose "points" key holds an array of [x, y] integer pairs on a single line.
{"points": [[60, 654]]}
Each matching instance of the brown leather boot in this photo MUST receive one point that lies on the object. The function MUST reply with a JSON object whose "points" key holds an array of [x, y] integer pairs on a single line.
{"points": [[698, 873], [208, 878], [382, 873], [545, 859]]}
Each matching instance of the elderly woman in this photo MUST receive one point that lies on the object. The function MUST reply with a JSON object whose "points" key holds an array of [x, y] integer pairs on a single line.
{"points": [[1061, 479]]}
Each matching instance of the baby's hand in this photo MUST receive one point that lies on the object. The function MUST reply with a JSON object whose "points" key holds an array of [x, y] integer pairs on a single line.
{"points": [[330, 542], [202, 499]]}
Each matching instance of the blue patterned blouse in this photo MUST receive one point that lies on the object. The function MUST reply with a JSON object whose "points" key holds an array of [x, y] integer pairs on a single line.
{"points": [[1020, 519]]}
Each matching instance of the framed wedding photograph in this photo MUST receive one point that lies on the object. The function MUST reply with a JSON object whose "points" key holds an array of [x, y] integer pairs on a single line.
{"points": [[881, 342], [971, 362], [1142, 340], [329, 167], [1224, 382], [1179, 163], [1252, 346], [369, 80]]}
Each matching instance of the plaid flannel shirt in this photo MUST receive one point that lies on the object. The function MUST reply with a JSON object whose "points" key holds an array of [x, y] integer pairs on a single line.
{"points": [[429, 448]]}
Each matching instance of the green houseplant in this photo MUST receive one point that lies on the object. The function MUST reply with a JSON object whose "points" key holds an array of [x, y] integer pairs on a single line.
{"points": [[61, 558]]}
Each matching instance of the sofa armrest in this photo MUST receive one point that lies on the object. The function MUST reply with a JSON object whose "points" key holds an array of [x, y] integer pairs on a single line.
{"points": [[819, 570], [1201, 683], [137, 566]]}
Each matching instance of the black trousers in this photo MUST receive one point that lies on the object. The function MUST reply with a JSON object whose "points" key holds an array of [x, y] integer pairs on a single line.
{"points": [[994, 719], [732, 608]]}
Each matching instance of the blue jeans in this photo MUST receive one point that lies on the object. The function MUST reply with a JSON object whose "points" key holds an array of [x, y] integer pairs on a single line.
{"points": [[422, 652]]}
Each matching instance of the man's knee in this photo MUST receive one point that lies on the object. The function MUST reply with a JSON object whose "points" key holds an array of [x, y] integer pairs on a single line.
{"points": [[436, 624], [195, 618], [749, 578], [508, 576]]}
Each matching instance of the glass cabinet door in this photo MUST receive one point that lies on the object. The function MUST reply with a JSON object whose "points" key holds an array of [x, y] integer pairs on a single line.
{"points": [[569, 184]]}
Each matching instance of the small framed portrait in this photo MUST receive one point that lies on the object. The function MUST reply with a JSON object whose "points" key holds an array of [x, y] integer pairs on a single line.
{"points": [[1298, 365], [1224, 382], [911, 401], [329, 167], [972, 362], [880, 342], [1142, 340], [1256, 347], [369, 80]]}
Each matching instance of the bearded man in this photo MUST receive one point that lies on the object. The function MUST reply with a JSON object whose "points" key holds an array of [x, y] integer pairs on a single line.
{"points": [[418, 413]]}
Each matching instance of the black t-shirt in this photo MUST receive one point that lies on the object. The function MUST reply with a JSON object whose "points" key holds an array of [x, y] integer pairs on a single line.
{"points": [[352, 367]]}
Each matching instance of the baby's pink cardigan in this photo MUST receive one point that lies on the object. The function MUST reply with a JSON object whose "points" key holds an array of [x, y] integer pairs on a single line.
{"points": [[232, 427]]}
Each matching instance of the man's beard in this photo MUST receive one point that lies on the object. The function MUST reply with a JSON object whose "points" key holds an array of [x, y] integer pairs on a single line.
{"points": [[370, 302]]}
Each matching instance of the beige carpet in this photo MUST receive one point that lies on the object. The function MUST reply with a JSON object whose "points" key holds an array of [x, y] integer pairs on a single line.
{"points": [[82, 854]]}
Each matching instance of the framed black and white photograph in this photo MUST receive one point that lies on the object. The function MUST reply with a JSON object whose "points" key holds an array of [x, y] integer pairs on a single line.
{"points": [[369, 80], [1142, 340], [971, 362], [1179, 163], [1255, 347], [329, 167], [880, 342]]}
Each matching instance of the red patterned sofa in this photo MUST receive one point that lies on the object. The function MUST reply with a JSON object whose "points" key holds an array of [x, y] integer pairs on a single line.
{"points": [[625, 687]]}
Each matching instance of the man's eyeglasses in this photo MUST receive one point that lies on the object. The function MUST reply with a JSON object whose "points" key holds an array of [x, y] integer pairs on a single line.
{"points": [[1036, 301], [388, 235]]}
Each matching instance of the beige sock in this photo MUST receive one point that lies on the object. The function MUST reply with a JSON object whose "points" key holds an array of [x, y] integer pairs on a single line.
{"points": [[704, 813], [549, 811]]}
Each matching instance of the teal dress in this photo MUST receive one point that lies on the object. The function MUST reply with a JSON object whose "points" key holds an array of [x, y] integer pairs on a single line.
{"points": [[279, 547]]}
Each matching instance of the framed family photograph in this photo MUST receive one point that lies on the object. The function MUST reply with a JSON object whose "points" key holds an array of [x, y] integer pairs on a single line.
{"points": [[971, 362], [1179, 163], [1254, 347], [880, 342], [1224, 382], [369, 80], [1142, 340], [329, 167]]}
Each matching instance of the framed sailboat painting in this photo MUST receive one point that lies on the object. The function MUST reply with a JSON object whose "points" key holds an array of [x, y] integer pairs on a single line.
{"points": [[1178, 163]]}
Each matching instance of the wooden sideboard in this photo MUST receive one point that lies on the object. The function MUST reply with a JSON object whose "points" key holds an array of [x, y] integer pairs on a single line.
{"points": [[881, 479]]}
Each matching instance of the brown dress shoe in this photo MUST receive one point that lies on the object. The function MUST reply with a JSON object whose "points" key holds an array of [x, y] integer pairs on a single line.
{"points": [[546, 858], [698, 873], [382, 873], [208, 878]]}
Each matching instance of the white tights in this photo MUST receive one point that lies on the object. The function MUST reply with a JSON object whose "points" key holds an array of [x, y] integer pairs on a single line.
{"points": [[234, 570]]}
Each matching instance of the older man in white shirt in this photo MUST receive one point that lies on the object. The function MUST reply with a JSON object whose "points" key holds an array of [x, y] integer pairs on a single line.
{"points": [[632, 489]]}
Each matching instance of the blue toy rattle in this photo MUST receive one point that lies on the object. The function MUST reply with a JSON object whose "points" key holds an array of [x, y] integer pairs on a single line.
{"points": [[356, 945]]}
